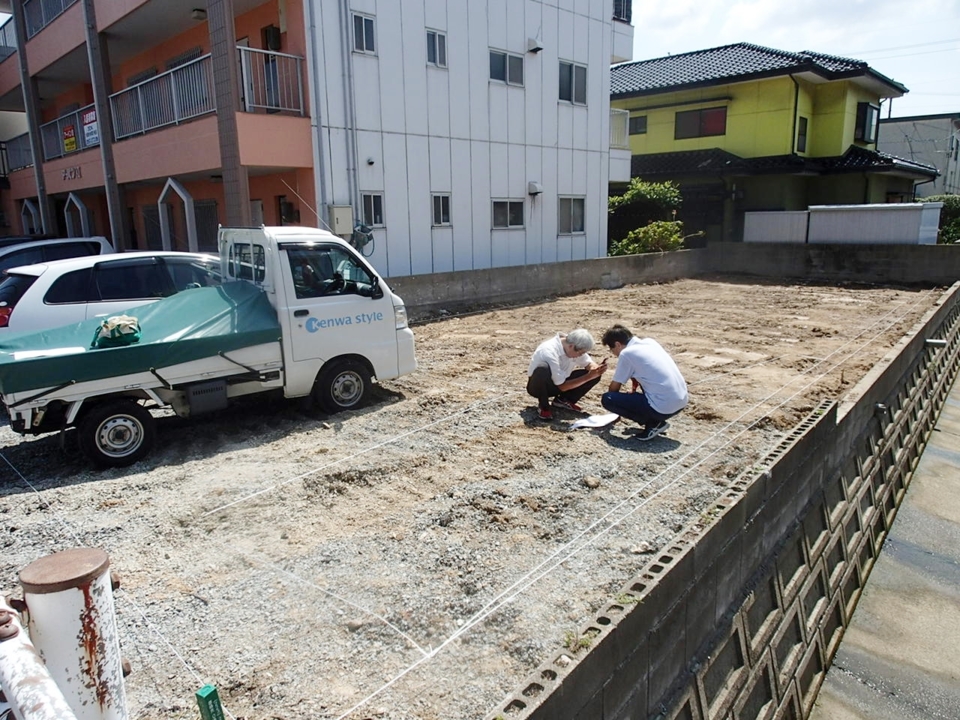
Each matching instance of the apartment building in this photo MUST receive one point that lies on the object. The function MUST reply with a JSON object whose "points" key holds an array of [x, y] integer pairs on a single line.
{"points": [[460, 134], [930, 139]]}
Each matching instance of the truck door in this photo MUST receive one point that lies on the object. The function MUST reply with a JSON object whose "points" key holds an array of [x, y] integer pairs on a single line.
{"points": [[338, 307]]}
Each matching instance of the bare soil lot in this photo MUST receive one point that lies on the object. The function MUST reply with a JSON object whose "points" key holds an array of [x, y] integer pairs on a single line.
{"points": [[418, 558]]}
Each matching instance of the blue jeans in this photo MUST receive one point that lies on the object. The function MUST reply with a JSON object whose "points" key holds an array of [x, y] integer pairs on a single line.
{"points": [[633, 406]]}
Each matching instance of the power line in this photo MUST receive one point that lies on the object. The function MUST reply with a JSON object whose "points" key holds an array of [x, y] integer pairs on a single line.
{"points": [[905, 47]]}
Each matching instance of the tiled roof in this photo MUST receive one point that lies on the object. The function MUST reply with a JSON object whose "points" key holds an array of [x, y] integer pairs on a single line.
{"points": [[729, 63], [719, 163]]}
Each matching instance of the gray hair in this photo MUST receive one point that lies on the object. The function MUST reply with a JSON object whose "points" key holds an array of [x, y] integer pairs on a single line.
{"points": [[581, 340]]}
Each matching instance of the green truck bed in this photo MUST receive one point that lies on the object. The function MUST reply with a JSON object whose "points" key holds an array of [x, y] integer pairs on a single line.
{"points": [[190, 325]]}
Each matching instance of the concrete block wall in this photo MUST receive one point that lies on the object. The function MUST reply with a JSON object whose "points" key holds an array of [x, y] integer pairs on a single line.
{"points": [[742, 614]]}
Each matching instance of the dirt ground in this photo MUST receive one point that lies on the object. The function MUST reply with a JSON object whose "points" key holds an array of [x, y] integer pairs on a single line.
{"points": [[418, 558]]}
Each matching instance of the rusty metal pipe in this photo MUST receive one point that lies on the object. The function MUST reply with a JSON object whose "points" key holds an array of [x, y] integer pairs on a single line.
{"points": [[74, 627], [30, 691]]}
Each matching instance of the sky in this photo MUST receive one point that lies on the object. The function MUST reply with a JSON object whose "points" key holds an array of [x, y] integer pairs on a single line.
{"points": [[915, 43]]}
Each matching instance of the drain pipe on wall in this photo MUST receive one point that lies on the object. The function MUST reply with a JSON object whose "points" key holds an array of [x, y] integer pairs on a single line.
{"points": [[350, 111], [72, 623], [316, 127], [29, 690]]}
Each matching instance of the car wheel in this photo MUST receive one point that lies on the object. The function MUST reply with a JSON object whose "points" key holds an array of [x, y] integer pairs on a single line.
{"points": [[342, 385], [116, 433]]}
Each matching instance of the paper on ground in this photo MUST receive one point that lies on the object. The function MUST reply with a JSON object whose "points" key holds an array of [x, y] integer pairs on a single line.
{"points": [[595, 421]]}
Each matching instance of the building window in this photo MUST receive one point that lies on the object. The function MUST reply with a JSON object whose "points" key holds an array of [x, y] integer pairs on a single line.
{"points": [[638, 125], [701, 123], [570, 215], [436, 48], [867, 116], [802, 135], [372, 209], [622, 10], [506, 67], [508, 213], [441, 209], [573, 83], [363, 34]]}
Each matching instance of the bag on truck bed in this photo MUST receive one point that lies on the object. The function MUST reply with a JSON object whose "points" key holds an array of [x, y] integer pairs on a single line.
{"points": [[117, 331]]}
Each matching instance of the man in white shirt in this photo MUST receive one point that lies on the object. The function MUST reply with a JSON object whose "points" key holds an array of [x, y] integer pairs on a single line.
{"points": [[659, 390], [561, 368]]}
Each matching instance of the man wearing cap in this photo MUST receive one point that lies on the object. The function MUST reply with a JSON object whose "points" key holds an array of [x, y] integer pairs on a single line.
{"points": [[561, 369]]}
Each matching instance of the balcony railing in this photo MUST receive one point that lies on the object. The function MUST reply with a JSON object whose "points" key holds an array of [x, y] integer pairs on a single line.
{"points": [[168, 99], [623, 10], [619, 129], [19, 154], [70, 133], [40, 13], [8, 39], [270, 81]]}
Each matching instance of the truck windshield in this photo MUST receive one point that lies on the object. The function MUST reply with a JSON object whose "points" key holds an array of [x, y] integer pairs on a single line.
{"points": [[327, 270]]}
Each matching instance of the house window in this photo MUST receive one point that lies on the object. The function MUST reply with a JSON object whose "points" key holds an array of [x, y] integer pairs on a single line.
{"points": [[638, 125], [622, 10], [573, 83], [802, 135], [507, 213], [441, 209], [701, 123], [506, 67], [363, 34], [372, 209], [436, 48], [867, 116], [570, 215]]}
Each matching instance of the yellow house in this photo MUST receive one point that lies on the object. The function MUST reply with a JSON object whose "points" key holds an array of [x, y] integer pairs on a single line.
{"points": [[744, 127]]}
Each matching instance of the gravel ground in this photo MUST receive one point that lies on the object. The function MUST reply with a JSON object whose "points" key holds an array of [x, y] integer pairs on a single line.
{"points": [[419, 557]]}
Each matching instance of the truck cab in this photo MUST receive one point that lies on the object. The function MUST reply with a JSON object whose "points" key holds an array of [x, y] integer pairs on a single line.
{"points": [[341, 324]]}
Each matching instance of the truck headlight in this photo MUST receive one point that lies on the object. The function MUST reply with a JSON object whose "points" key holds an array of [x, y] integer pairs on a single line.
{"points": [[400, 316]]}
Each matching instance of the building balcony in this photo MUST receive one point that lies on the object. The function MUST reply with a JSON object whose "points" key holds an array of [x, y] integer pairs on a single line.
{"points": [[619, 145], [8, 39], [622, 31]]}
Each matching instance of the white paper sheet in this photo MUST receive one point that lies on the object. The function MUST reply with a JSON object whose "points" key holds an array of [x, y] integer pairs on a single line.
{"points": [[595, 421]]}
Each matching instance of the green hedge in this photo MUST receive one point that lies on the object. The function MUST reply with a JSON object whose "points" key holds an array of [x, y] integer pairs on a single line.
{"points": [[949, 217]]}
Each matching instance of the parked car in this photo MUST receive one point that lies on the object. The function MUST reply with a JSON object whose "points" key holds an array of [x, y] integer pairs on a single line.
{"points": [[46, 295], [26, 251]]}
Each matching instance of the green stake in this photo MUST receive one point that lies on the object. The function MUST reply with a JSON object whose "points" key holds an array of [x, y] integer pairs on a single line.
{"points": [[209, 702]]}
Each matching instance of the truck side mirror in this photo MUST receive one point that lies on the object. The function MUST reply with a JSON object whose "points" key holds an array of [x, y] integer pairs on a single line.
{"points": [[376, 290]]}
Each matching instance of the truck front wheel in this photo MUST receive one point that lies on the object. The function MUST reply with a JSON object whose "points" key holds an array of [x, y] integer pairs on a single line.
{"points": [[116, 433], [343, 385]]}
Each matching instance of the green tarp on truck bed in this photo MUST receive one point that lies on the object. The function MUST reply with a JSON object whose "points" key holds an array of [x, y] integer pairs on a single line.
{"points": [[190, 325]]}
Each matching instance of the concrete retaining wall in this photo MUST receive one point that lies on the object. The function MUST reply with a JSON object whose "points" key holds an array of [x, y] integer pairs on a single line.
{"points": [[741, 616], [429, 295]]}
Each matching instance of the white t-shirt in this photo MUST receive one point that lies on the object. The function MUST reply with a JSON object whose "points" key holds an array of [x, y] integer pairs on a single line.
{"points": [[550, 354], [658, 374]]}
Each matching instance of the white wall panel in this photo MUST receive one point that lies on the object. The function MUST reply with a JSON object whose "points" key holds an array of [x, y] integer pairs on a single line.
{"points": [[550, 77], [435, 12], [482, 209], [438, 102], [534, 168], [461, 205], [499, 120], [413, 64], [459, 66], [370, 146], [598, 84], [479, 72], [442, 249], [498, 17], [518, 173], [596, 191], [516, 115], [500, 171], [336, 149], [549, 205], [578, 174], [396, 204], [439, 163], [564, 170], [420, 206], [368, 98]]}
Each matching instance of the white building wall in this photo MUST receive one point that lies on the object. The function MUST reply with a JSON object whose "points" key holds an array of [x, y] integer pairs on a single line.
{"points": [[931, 139], [390, 123]]}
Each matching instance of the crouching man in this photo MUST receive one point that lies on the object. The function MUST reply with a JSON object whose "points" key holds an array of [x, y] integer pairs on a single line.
{"points": [[659, 390], [561, 368]]}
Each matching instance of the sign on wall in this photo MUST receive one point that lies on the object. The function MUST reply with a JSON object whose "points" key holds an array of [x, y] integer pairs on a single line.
{"points": [[91, 131], [69, 138]]}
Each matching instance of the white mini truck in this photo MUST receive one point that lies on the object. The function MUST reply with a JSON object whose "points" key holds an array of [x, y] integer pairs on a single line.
{"points": [[299, 309]]}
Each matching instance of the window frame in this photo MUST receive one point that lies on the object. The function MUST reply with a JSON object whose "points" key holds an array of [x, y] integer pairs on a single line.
{"points": [[803, 130], [571, 229], [438, 220], [865, 131], [360, 42], [371, 216], [510, 208], [507, 78], [437, 42], [577, 91], [701, 114], [631, 125]]}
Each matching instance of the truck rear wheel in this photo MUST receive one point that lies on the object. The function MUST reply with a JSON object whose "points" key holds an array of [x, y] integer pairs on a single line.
{"points": [[343, 385], [116, 433]]}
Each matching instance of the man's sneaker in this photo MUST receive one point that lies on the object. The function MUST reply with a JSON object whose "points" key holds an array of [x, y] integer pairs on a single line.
{"points": [[649, 433], [567, 405], [545, 413]]}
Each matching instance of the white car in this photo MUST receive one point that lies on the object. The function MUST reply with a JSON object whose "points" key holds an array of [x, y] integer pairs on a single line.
{"points": [[15, 252], [48, 295]]}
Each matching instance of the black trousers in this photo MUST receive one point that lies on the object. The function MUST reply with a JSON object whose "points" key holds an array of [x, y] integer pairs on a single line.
{"points": [[541, 386]]}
